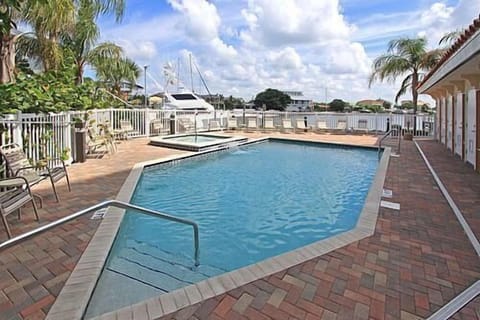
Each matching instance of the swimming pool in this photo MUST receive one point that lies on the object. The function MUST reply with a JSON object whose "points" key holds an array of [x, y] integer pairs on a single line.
{"points": [[252, 203]]}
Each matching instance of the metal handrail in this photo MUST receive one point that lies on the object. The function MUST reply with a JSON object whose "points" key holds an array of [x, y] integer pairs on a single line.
{"points": [[386, 135], [114, 203]]}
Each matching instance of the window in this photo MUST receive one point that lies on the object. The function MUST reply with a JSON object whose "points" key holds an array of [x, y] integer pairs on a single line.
{"points": [[184, 96]]}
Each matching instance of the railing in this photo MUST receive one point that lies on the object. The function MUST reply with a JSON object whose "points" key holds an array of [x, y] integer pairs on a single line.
{"points": [[114, 203], [386, 136], [51, 135]]}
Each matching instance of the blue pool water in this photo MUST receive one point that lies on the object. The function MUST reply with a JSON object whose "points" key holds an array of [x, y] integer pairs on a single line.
{"points": [[251, 203], [255, 202]]}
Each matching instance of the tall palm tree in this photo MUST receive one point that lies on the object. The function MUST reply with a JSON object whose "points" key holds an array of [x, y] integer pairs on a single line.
{"points": [[81, 41], [405, 56]]}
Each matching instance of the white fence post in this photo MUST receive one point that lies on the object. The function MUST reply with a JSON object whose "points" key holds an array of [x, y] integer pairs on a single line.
{"points": [[17, 129]]}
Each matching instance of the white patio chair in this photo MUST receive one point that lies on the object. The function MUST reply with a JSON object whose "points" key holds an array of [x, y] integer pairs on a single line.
{"points": [[362, 126], [251, 125], [322, 125], [268, 125], [300, 125], [232, 124], [341, 126], [287, 125]]}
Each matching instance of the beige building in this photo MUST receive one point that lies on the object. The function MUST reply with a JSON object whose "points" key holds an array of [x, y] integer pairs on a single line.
{"points": [[455, 85]]}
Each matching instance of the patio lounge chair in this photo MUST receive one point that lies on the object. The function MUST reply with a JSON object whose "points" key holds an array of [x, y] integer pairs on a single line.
{"points": [[96, 141], [362, 126], [251, 125], [268, 125], [127, 128], [301, 125], [322, 126], [157, 127], [187, 125], [341, 126], [19, 166], [232, 124], [287, 125], [214, 125], [13, 199]]}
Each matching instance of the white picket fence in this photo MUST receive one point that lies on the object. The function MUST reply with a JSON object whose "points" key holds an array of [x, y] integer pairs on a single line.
{"points": [[51, 135]]}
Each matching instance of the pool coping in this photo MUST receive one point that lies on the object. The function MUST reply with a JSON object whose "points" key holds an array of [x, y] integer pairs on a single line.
{"points": [[74, 297]]}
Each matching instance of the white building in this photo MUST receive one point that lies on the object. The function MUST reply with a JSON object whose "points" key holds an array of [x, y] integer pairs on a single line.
{"points": [[455, 85], [299, 101]]}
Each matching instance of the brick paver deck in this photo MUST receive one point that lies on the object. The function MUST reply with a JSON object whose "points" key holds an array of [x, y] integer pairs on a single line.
{"points": [[417, 260]]}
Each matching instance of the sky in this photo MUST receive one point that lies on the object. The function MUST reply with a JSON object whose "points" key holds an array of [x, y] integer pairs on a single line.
{"points": [[324, 48]]}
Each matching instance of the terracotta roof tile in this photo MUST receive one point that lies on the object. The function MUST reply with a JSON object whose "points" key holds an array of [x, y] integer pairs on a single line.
{"points": [[466, 35]]}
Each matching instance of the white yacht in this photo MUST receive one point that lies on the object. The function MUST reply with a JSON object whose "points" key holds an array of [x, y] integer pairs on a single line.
{"points": [[182, 99], [186, 101]]}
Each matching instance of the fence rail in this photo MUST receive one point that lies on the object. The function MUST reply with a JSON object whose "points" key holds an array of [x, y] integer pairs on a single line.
{"points": [[51, 135]]}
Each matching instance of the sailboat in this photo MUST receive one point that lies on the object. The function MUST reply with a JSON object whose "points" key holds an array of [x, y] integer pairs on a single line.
{"points": [[182, 99]]}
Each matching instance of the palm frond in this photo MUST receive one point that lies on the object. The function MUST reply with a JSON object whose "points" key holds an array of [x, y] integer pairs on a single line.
{"points": [[449, 38], [430, 59], [388, 67], [105, 50]]}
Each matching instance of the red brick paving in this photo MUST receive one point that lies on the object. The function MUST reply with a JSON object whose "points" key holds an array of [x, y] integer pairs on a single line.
{"points": [[417, 260]]}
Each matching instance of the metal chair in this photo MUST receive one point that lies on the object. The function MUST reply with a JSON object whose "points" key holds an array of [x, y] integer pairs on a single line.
{"points": [[18, 166], [14, 199]]}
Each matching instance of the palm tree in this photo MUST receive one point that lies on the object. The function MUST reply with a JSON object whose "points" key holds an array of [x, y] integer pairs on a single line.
{"points": [[113, 72], [408, 57], [81, 42], [54, 21]]}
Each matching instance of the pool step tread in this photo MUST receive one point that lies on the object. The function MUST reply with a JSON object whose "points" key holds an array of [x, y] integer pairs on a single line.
{"points": [[180, 260], [159, 268]]}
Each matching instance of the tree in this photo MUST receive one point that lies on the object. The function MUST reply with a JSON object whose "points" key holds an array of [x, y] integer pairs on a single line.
{"points": [[8, 9], [81, 41], [58, 24], [232, 103], [386, 105], [272, 99], [405, 56], [338, 105], [112, 72]]}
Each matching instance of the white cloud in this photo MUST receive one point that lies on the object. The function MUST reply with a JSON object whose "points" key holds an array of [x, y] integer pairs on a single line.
{"points": [[277, 23], [200, 18], [286, 59], [139, 50]]}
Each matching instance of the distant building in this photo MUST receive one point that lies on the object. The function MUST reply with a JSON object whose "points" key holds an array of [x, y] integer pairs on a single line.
{"points": [[299, 101], [371, 103]]}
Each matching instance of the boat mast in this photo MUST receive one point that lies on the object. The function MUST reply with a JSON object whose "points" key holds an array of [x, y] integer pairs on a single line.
{"points": [[178, 74], [191, 71]]}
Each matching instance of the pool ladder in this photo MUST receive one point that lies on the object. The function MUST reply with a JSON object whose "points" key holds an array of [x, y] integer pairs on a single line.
{"points": [[105, 204], [386, 136]]}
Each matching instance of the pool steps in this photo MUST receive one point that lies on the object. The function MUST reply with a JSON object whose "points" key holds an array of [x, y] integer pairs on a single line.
{"points": [[149, 270]]}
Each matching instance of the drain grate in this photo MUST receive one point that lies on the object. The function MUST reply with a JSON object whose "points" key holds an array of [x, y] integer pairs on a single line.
{"points": [[387, 193]]}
